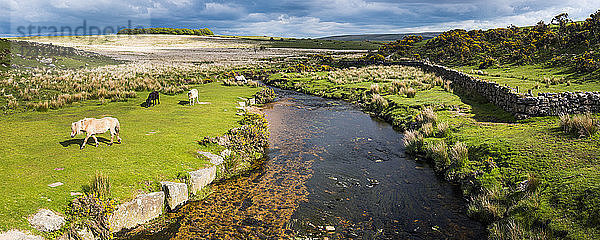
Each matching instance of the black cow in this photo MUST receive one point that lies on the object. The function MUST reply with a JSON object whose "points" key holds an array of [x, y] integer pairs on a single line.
{"points": [[153, 99]]}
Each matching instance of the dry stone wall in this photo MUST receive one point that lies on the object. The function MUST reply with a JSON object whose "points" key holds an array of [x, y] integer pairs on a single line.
{"points": [[519, 104]]}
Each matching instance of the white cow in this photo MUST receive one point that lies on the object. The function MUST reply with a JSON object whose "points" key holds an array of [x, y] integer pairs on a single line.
{"points": [[193, 95]]}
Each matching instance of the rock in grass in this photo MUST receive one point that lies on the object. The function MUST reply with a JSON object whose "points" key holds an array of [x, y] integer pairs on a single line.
{"points": [[18, 235], [46, 221], [56, 184], [201, 178], [214, 158], [176, 194], [142, 209]]}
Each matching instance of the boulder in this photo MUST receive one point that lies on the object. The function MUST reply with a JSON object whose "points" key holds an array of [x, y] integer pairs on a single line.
{"points": [[18, 235], [142, 209], [46, 221], [226, 153], [176, 194], [214, 158], [202, 177]]}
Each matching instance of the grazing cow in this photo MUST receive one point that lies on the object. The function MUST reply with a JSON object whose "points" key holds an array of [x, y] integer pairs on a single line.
{"points": [[193, 95], [92, 126], [153, 99]]}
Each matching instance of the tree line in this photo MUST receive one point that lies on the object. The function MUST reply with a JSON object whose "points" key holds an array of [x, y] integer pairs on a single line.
{"points": [[171, 31]]}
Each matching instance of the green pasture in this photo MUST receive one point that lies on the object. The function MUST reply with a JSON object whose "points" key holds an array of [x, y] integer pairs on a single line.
{"points": [[158, 143]]}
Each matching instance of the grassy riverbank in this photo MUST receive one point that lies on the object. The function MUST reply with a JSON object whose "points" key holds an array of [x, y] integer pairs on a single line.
{"points": [[158, 144], [526, 178]]}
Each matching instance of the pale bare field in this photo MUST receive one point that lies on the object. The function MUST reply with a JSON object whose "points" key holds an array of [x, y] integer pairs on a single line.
{"points": [[178, 48]]}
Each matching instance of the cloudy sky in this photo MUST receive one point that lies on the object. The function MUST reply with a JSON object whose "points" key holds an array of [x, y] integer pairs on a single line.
{"points": [[288, 18]]}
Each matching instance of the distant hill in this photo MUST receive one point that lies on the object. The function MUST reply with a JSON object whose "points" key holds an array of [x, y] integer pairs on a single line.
{"points": [[379, 37]]}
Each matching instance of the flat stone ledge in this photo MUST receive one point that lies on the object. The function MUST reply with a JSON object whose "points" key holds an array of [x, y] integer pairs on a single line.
{"points": [[214, 158], [46, 221], [18, 235], [202, 177], [176, 194], [142, 209]]}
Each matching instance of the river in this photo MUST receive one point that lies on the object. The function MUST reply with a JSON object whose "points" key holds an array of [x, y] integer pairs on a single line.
{"points": [[332, 172]]}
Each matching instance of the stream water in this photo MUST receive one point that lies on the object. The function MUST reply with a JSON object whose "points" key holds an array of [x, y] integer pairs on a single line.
{"points": [[332, 172]]}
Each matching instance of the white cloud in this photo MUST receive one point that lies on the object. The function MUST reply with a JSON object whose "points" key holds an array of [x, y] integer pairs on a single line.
{"points": [[577, 12], [297, 18], [354, 7]]}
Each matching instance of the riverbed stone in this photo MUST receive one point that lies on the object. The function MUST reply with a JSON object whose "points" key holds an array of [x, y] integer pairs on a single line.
{"points": [[202, 177], [46, 221], [18, 235], [214, 158], [176, 194], [142, 209]]}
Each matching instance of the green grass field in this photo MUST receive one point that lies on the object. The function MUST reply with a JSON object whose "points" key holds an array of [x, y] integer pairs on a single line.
{"points": [[535, 78], [158, 143]]}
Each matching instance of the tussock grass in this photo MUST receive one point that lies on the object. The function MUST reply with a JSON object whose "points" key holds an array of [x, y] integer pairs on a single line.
{"points": [[100, 185], [438, 152], [427, 129], [43, 89], [459, 154], [377, 102], [442, 129], [427, 115], [375, 88], [413, 141], [410, 92], [485, 207], [583, 125]]}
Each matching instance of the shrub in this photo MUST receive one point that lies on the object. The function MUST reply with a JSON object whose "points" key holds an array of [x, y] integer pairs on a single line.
{"points": [[438, 152], [427, 129], [582, 124], [427, 115], [266, 95], [251, 139], [459, 154], [413, 141], [442, 129], [230, 163], [488, 62], [411, 92]]}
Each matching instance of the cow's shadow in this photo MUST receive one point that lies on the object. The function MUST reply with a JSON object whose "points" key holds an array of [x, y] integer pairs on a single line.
{"points": [[78, 142], [183, 103]]}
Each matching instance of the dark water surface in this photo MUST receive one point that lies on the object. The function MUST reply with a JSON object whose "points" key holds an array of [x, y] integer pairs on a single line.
{"points": [[363, 185], [335, 172]]}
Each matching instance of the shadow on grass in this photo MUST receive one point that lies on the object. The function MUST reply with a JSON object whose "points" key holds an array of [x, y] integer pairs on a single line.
{"points": [[484, 111], [183, 103], [78, 142], [146, 105]]}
